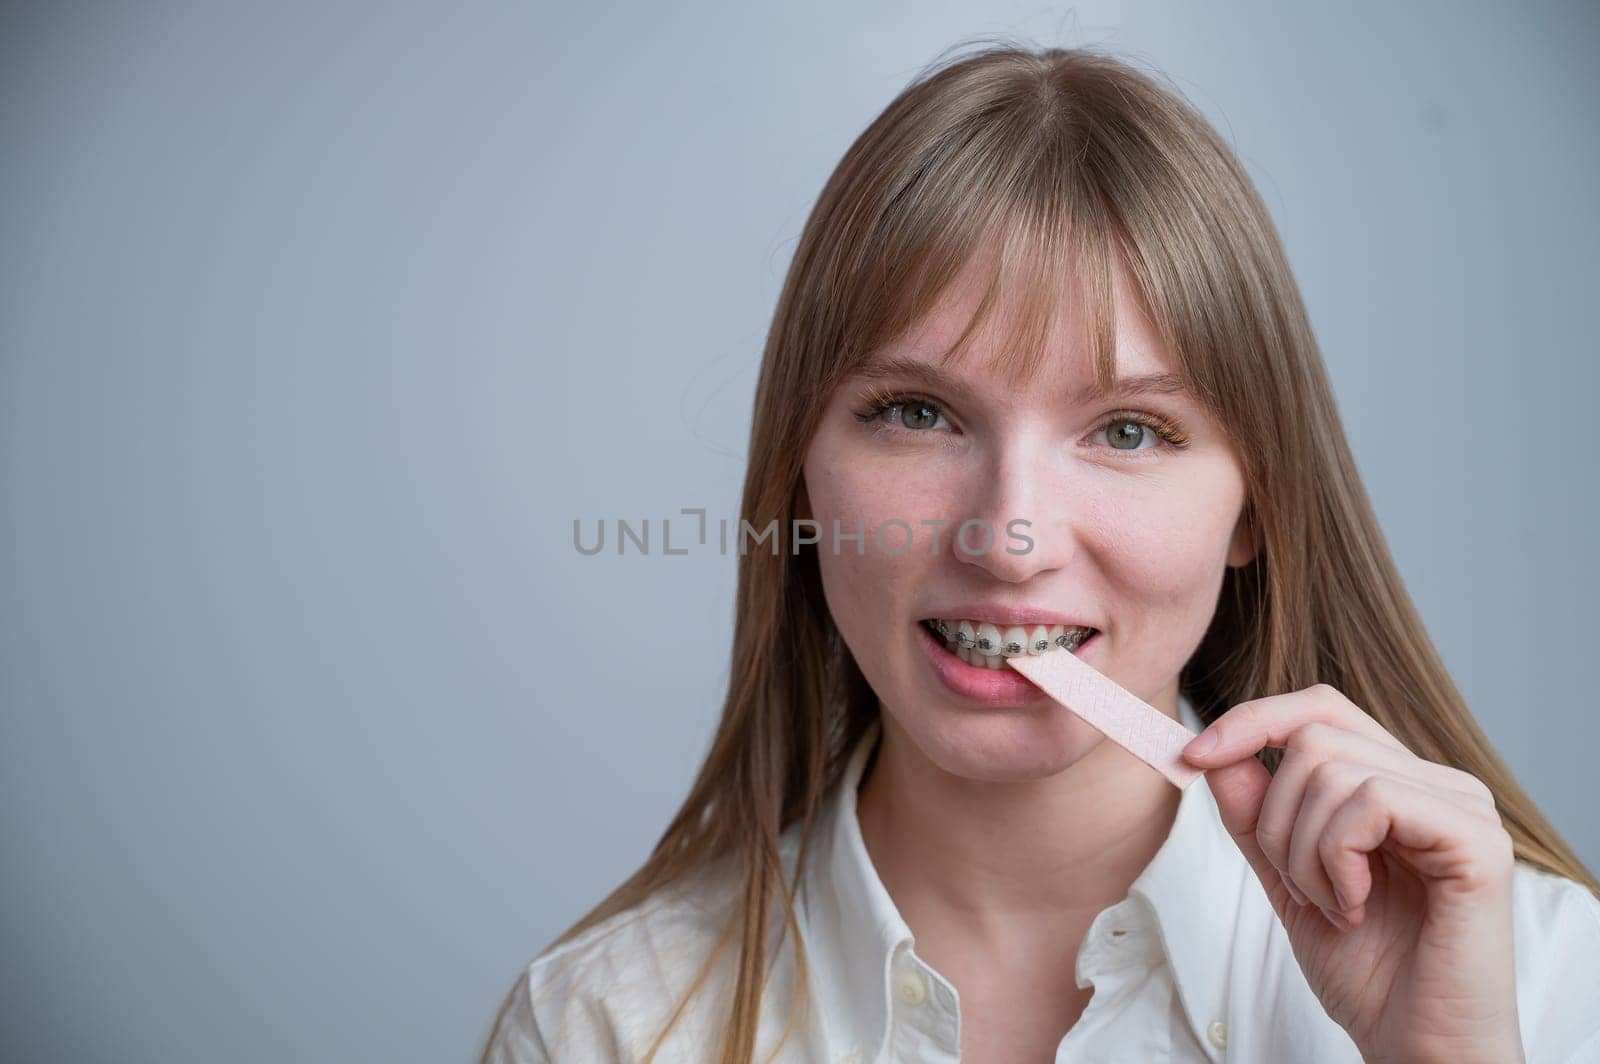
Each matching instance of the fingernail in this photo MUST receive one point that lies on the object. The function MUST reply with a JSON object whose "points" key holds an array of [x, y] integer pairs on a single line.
{"points": [[1336, 919], [1338, 896], [1294, 891], [1201, 744]]}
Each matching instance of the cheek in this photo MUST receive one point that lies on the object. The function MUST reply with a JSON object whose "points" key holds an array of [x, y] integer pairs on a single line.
{"points": [[864, 581], [1166, 545], [887, 509], [871, 588]]}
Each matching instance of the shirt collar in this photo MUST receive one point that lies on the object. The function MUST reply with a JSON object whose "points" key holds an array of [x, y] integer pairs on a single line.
{"points": [[853, 929], [1195, 886]]}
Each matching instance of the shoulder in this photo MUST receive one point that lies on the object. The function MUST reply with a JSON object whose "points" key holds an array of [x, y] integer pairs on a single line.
{"points": [[606, 994], [1557, 942], [1556, 918]]}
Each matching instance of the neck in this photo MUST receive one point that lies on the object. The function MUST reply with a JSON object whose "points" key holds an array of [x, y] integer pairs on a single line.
{"points": [[996, 855]]}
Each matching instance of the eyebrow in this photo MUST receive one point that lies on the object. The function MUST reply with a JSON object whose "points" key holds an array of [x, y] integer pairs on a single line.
{"points": [[894, 367]]}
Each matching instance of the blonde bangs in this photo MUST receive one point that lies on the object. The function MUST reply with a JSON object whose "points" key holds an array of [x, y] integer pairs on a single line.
{"points": [[1011, 198]]}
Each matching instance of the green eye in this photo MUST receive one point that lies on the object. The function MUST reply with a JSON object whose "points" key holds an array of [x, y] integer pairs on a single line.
{"points": [[1125, 432], [907, 412], [918, 415]]}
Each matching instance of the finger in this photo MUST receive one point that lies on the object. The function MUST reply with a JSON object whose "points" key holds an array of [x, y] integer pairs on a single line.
{"points": [[1239, 789], [1328, 788], [1250, 726], [1316, 744], [1280, 808], [1439, 841]]}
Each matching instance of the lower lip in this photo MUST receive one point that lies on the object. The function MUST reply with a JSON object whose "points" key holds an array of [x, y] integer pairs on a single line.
{"points": [[989, 687]]}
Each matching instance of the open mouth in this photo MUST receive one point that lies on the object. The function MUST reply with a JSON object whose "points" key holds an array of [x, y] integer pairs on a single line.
{"points": [[987, 645]]}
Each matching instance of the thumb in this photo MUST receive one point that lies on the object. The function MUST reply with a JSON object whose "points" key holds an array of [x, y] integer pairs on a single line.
{"points": [[1239, 789]]}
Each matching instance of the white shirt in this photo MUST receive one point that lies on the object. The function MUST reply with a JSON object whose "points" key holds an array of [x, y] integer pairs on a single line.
{"points": [[1192, 965]]}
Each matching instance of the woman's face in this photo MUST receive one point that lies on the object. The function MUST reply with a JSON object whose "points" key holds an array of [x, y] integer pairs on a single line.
{"points": [[1130, 533]]}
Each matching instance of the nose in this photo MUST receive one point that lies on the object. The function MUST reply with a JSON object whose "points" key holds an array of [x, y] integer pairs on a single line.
{"points": [[1023, 498]]}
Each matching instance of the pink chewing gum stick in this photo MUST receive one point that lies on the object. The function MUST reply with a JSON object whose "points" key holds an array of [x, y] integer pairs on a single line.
{"points": [[1123, 717]]}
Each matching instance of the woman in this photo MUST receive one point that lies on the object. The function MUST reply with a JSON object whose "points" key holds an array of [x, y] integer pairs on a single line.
{"points": [[1040, 296]]}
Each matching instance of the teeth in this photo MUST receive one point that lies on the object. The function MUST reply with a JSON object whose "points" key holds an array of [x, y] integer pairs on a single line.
{"points": [[987, 645]]}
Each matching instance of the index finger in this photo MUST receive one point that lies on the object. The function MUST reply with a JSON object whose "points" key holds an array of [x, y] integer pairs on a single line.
{"points": [[1250, 726]]}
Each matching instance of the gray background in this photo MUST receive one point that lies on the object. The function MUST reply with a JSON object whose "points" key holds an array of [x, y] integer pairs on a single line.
{"points": [[320, 325]]}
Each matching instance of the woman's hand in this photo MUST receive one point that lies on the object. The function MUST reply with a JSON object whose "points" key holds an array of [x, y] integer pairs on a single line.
{"points": [[1391, 874]]}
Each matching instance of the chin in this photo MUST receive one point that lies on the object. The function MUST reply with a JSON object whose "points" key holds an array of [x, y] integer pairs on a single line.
{"points": [[1004, 747]]}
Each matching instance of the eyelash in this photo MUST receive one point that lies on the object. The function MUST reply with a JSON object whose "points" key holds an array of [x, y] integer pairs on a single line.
{"points": [[879, 401]]}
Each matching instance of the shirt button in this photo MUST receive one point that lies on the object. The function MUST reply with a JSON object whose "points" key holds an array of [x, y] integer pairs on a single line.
{"points": [[913, 991], [1217, 1034]]}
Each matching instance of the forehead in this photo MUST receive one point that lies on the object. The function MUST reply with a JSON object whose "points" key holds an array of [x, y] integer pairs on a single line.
{"points": [[1067, 366]]}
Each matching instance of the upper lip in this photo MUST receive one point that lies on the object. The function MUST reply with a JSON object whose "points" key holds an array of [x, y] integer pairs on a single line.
{"points": [[1001, 614]]}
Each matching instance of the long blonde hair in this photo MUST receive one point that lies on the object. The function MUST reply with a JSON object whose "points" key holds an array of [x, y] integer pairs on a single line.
{"points": [[1072, 158]]}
